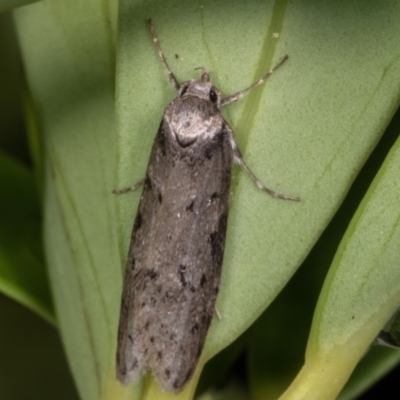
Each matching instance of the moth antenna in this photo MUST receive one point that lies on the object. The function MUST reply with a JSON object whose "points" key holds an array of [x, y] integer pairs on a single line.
{"points": [[172, 80], [237, 96]]}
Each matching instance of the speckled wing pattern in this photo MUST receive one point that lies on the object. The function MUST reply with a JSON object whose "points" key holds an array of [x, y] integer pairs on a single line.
{"points": [[174, 261]]}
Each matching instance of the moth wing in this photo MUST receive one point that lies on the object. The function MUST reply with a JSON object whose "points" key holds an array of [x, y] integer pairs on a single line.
{"points": [[131, 362], [185, 259], [174, 262]]}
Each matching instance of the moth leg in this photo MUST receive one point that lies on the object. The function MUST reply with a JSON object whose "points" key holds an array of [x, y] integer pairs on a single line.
{"points": [[238, 159], [172, 80], [129, 188], [237, 96]]}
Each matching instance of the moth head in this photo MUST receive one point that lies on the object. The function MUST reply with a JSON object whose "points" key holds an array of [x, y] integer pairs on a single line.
{"points": [[201, 88]]}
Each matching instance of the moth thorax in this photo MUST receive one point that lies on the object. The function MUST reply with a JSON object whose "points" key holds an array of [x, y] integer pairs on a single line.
{"points": [[196, 123]]}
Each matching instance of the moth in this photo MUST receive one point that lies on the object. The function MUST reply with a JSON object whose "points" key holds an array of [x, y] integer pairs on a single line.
{"points": [[174, 261]]}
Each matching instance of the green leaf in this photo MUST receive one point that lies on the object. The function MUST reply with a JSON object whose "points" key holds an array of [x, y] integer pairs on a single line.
{"points": [[307, 132], [375, 364], [68, 52], [23, 275], [361, 291]]}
